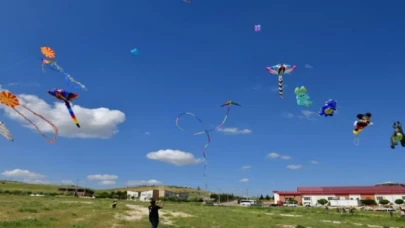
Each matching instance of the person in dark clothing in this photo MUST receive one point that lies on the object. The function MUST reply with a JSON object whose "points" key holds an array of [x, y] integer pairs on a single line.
{"points": [[114, 204], [154, 213]]}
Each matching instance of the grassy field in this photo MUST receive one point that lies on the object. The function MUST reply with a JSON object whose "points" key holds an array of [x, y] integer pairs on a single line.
{"points": [[70, 212]]}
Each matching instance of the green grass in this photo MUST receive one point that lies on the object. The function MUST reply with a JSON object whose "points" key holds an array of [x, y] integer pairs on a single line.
{"points": [[70, 212]]}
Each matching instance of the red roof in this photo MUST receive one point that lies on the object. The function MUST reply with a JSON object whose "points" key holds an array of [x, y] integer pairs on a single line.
{"points": [[362, 190]]}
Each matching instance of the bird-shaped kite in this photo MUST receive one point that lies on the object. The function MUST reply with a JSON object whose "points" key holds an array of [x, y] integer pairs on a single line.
{"points": [[280, 70], [66, 96], [11, 100]]}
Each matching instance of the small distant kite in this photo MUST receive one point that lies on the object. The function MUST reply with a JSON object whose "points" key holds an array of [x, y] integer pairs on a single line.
{"points": [[258, 28], [11, 100], [302, 96], [398, 135], [51, 64], [206, 131], [135, 51], [329, 108], [363, 121], [5, 132], [66, 96], [280, 70]]}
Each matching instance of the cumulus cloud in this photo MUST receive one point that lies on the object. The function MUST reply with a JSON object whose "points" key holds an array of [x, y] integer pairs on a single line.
{"points": [[314, 162], [143, 182], [26, 176], [174, 157], [306, 114], [103, 179], [235, 131], [67, 182], [244, 180], [246, 167], [22, 173], [308, 66], [274, 155], [96, 123], [294, 166]]}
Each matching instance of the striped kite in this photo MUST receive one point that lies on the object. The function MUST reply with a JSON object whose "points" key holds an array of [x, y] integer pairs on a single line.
{"points": [[66, 96]]}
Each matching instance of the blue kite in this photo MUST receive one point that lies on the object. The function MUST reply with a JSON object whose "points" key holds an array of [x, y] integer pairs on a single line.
{"points": [[329, 108]]}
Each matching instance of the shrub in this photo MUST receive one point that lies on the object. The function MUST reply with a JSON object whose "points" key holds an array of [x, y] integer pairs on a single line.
{"points": [[322, 201], [399, 201], [368, 202], [384, 202]]}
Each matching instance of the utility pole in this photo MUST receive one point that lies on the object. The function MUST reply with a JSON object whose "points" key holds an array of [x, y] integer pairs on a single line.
{"points": [[219, 196]]}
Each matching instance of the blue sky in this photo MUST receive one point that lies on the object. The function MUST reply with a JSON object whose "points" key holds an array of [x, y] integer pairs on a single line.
{"points": [[193, 57]]}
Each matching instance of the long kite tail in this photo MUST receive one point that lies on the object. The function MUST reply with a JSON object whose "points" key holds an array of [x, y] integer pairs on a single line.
{"points": [[72, 114], [280, 85], [55, 129]]}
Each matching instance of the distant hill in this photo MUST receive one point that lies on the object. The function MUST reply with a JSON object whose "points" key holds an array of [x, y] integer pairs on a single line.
{"points": [[49, 188]]}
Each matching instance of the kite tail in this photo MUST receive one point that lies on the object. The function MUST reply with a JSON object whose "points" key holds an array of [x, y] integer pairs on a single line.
{"points": [[356, 141], [55, 129], [280, 85], [72, 114], [225, 118]]}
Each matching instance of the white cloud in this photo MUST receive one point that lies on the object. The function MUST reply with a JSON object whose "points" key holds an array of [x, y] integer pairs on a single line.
{"points": [[235, 131], [244, 180], [143, 182], [103, 179], [294, 166], [35, 181], [306, 114], [287, 115], [107, 182], [246, 167], [314, 162], [67, 182], [273, 155], [22, 173], [22, 84], [147, 133], [308, 66], [174, 157], [95, 123]]}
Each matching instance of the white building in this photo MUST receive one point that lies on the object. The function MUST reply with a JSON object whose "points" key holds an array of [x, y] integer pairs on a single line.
{"points": [[346, 195], [147, 195], [131, 195], [156, 194]]}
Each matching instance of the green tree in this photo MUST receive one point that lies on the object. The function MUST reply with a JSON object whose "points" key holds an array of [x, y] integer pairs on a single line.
{"points": [[322, 201], [384, 202], [267, 197], [368, 202], [261, 197], [399, 201]]}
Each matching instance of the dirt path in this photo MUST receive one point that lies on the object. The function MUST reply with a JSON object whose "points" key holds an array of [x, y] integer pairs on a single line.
{"points": [[137, 213]]}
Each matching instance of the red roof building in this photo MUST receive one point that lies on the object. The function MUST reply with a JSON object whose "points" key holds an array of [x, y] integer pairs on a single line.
{"points": [[312, 194]]}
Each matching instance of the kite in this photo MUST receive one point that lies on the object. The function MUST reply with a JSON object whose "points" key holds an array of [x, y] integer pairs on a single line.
{"points": [[359, 125], [66, 96], [258, 28], [329, 108], [135, 51], [51, 64], [206, 132], [280, 70], [302, 96], [11, 100], [398, 135], [5, 132]]}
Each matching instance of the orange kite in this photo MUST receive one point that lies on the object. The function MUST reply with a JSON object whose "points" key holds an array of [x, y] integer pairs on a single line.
{"points": [[48, 52], [11, 100]]}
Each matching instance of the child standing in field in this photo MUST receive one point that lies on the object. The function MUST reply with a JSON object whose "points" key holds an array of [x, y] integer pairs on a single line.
{"points": [[154, 213]]}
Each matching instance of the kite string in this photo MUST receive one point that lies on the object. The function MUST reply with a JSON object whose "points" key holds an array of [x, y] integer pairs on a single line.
{"points": [[51, 141], [220, 125]]}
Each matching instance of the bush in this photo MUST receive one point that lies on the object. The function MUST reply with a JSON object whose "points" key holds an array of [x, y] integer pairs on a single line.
{"points": [[322, 201], [399, 201], [368, 202], [384, 202]]}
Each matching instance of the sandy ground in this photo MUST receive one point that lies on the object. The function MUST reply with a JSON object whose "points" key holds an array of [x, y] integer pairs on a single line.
{"points": [[138, 212]]}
